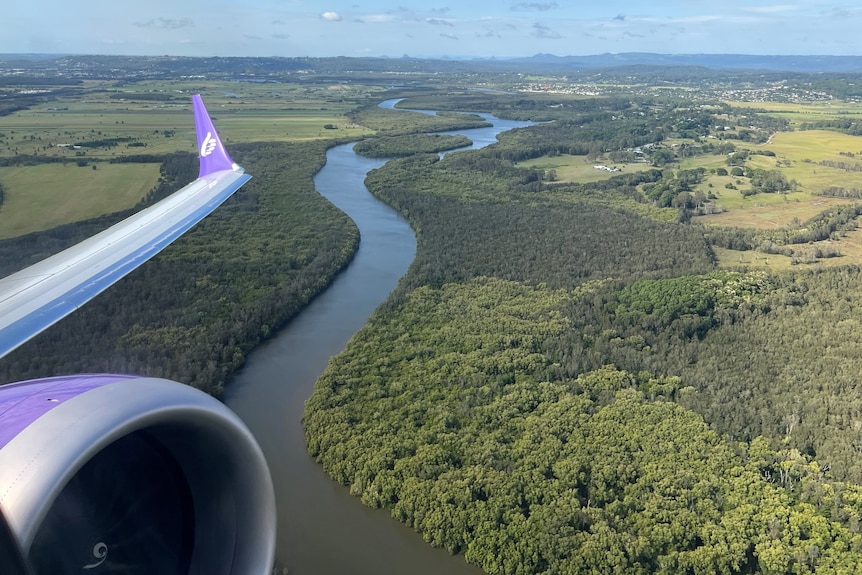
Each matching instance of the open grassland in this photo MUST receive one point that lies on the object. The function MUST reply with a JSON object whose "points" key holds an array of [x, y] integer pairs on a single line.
{"points": [[770, 211], [707, 162], [813, 177], [764, 211], [47, 195], [850, 247], [798, 155], [752, 259], [713, 184], [800, 113], [814, 145], [577, 169], [115, 119], [156, 118], [161, 130]]}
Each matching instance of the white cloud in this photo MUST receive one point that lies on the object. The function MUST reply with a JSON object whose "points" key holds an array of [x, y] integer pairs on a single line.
{"points": [[769, 9], [378, 18], [331, 16]]}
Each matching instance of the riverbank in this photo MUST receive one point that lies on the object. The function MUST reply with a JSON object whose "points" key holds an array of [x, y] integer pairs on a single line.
{"points": [[322, 528]]}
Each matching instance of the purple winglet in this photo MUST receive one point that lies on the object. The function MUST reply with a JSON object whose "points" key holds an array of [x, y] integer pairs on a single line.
{"points": [[210, 149]]}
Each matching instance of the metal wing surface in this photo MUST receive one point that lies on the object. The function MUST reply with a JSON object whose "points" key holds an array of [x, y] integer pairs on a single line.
{"points": [[36, 297]]}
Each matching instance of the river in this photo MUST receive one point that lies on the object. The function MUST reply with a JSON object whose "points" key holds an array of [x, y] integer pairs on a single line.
{"points": [[322, 529]]}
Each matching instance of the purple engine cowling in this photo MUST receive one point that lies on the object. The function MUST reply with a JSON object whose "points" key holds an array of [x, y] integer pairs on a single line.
{"points": [[23, 403], [115, 472]]}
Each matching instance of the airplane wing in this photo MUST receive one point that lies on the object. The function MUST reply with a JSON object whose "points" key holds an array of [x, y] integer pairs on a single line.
{"points": [[119, 473], [35, 298]]}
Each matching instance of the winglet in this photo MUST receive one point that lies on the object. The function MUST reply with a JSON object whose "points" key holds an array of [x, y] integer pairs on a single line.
{"points": [[210, 149]]}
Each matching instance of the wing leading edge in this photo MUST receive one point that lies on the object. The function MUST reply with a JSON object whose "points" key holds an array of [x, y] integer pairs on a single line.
{"points": [[36, 297]]}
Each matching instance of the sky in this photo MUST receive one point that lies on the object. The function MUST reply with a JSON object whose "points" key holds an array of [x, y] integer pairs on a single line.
{"points": [[431, 28]]}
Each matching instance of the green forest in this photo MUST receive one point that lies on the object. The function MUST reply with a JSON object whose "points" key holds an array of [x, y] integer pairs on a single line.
{"points": [[448, 410], [565, 382], [401, 146]]}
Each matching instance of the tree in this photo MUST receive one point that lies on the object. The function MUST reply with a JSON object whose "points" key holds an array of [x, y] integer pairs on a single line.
{"points": [[661, 157], [683, 200]]}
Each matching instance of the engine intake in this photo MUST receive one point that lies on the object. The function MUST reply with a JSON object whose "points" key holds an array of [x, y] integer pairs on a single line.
{"points": [[110, 473]]}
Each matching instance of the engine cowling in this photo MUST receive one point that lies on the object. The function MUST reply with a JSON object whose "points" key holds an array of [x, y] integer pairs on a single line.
{"points": [[113, 473]]}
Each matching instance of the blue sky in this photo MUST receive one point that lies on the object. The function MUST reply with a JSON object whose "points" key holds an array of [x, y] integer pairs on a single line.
{"points": [[435, 28]]}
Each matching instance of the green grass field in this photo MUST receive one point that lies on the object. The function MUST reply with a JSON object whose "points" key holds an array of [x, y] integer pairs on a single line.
{"points": [[800, 113], [43, 196], [47, 195], [753, 259], [39, 131], [797, 156], [850, 246], [814, 145], [578, 169], [243, 112], [768, 211]]}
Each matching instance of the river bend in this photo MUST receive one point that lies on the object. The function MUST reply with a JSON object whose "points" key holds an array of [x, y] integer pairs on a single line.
{"points": [[322, 529]]}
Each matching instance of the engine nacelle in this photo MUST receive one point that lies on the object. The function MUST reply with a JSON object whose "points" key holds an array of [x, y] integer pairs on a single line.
{"points": [[114, 473]]}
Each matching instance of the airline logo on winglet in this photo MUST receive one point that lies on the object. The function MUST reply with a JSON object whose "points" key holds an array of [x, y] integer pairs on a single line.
{"points": [[209, 145], [213, 156]]}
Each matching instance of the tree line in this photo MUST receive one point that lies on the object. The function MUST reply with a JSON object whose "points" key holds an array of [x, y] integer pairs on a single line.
{"points": [[448, 410], [401, 146], [195, 310], [564, 383]]}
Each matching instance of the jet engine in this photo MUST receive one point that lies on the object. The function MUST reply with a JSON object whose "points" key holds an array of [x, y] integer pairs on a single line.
{"points": [[134, 475]]}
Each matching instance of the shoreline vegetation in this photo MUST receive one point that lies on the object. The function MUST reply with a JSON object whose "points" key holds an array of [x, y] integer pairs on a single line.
{"points": [[577, 374], [196, 310], [540, 392], [402, 146]]}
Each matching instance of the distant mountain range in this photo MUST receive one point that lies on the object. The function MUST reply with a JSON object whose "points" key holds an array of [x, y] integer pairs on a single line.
{"points": [[96, 66], [715, 61]]}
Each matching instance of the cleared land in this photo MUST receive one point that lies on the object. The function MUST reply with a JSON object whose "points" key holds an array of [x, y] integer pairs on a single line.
{"points": [[798, 155], [772, 212], [800, 113], [48, 195], [160, 130], [112, 120], [157, 117], [850, 247], [813, 145], [577, 169], [801, 156]]}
